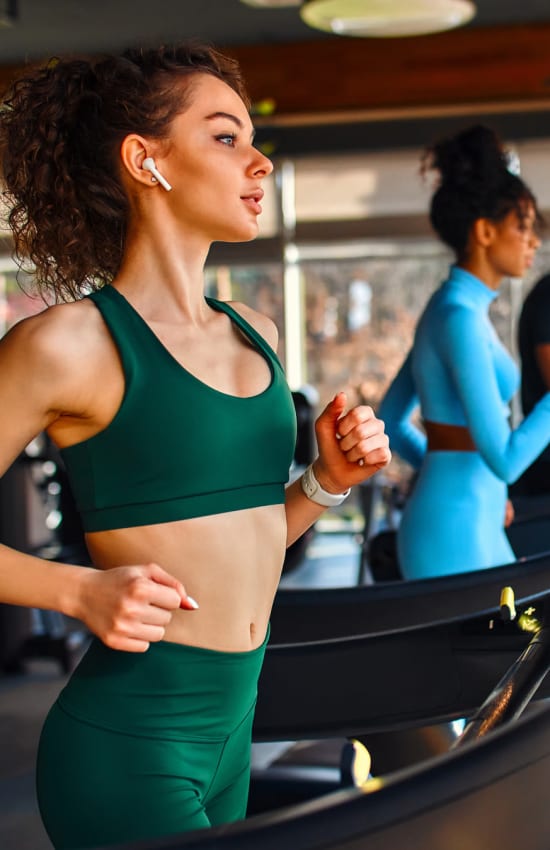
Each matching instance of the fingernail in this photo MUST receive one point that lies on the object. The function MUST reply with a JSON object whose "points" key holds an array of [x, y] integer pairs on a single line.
{"points": [[361, 461], [192, 602]]}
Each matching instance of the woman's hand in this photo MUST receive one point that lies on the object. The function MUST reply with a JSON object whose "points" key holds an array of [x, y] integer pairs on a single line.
{"points": [[129, 607], [509, 514], [352, 445]]}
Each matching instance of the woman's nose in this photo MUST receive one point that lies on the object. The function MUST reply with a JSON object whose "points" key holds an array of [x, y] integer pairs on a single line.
{"points": [[264, 166]]}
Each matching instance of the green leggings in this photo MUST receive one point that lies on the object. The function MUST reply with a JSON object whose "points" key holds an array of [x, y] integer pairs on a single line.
{"points": [[140, 746]]}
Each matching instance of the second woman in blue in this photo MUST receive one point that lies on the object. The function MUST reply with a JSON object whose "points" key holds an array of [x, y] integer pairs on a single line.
{"points": [[458, 373]]}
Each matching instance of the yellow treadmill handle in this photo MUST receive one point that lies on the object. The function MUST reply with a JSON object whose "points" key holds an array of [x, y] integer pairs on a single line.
{"points": [[507, 604]]}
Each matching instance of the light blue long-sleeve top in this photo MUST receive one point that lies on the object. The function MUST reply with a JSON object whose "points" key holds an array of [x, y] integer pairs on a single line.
{"points": [[459, 373]]}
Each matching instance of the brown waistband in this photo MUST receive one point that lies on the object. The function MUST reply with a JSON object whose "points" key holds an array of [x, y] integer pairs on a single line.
{"points": [[448, 438]]}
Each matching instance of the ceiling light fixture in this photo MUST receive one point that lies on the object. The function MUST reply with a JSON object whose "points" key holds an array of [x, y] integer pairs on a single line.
{"points": [[383, 18], [378, 18]]}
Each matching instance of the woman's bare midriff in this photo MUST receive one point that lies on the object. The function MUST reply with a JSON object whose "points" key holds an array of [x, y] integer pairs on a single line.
{"points": [[229, 563]]}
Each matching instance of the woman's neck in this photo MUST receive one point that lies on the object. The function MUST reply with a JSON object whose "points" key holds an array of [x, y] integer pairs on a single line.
{"points": [[163, 274], [483, 271]]}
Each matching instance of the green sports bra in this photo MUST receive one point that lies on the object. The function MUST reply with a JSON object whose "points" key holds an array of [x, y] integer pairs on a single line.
{"points": [[177, 448]]}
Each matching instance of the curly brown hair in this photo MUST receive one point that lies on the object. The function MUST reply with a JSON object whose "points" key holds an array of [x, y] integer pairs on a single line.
{"points": [[61, 127]]}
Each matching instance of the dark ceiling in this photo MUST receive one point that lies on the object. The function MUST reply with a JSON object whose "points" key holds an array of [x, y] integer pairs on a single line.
{"points": [[47, 27]]}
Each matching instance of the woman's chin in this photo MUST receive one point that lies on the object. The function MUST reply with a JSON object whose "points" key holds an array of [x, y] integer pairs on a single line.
{"points": [[241, 235]]}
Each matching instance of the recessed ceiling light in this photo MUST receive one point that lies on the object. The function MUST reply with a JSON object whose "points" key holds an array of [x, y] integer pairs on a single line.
{"points": [[383, 18]]}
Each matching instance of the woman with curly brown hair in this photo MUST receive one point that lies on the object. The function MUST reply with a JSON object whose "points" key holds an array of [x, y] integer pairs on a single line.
{"points": [[175, 424]]}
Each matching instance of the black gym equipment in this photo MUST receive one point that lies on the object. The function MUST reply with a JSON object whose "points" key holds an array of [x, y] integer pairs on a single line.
{"points": [[328, 613], [397, 691], [409, 677], [529, 533], [427, 672]]}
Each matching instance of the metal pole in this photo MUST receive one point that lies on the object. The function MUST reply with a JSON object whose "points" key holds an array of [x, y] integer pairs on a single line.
{"points": [[292, 280]]}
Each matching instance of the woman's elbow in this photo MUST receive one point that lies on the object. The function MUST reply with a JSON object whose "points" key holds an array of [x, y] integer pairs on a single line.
{"points": [[505, 472]]}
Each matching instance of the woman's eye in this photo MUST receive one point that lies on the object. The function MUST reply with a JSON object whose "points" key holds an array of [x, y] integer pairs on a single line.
{"points": [[227, 138]]}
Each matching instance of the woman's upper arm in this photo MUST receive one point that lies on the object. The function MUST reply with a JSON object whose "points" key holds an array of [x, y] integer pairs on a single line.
{"points": [[32, 378], [396, 410]]}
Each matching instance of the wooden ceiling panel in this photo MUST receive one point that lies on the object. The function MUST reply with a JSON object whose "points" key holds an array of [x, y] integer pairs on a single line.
{"points": [[494, 65], [343, 80]]}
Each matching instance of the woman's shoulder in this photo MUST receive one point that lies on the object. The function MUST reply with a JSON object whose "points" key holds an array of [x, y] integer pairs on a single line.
{"points": [[57, 355], [449, 309], [64, 345], [261, 323], [451, 325], [58, 331]]}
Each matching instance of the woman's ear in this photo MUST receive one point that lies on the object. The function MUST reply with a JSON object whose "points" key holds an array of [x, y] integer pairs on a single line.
{"points": [[133, 150], [483, 231]]}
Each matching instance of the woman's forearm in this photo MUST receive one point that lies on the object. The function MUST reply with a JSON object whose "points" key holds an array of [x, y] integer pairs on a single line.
{"points": [[37, 583], [127, 606]]}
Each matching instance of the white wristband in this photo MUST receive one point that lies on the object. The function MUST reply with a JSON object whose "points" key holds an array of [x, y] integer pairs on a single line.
{"points": [[315, 492]]}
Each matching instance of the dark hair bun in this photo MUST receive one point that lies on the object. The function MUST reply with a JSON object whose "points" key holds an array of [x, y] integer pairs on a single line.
{"points": [[473, 156], [475, 181]]}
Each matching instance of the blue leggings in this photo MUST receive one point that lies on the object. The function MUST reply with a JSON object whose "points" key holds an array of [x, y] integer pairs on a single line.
{"points": [[140, 746], [453, 521]]}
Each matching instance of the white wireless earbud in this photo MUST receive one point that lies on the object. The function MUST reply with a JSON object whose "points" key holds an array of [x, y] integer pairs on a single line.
{"points": [[149, 165]]}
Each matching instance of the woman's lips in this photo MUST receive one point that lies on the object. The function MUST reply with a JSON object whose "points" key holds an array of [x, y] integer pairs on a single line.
{"points": [[253, 204]]}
